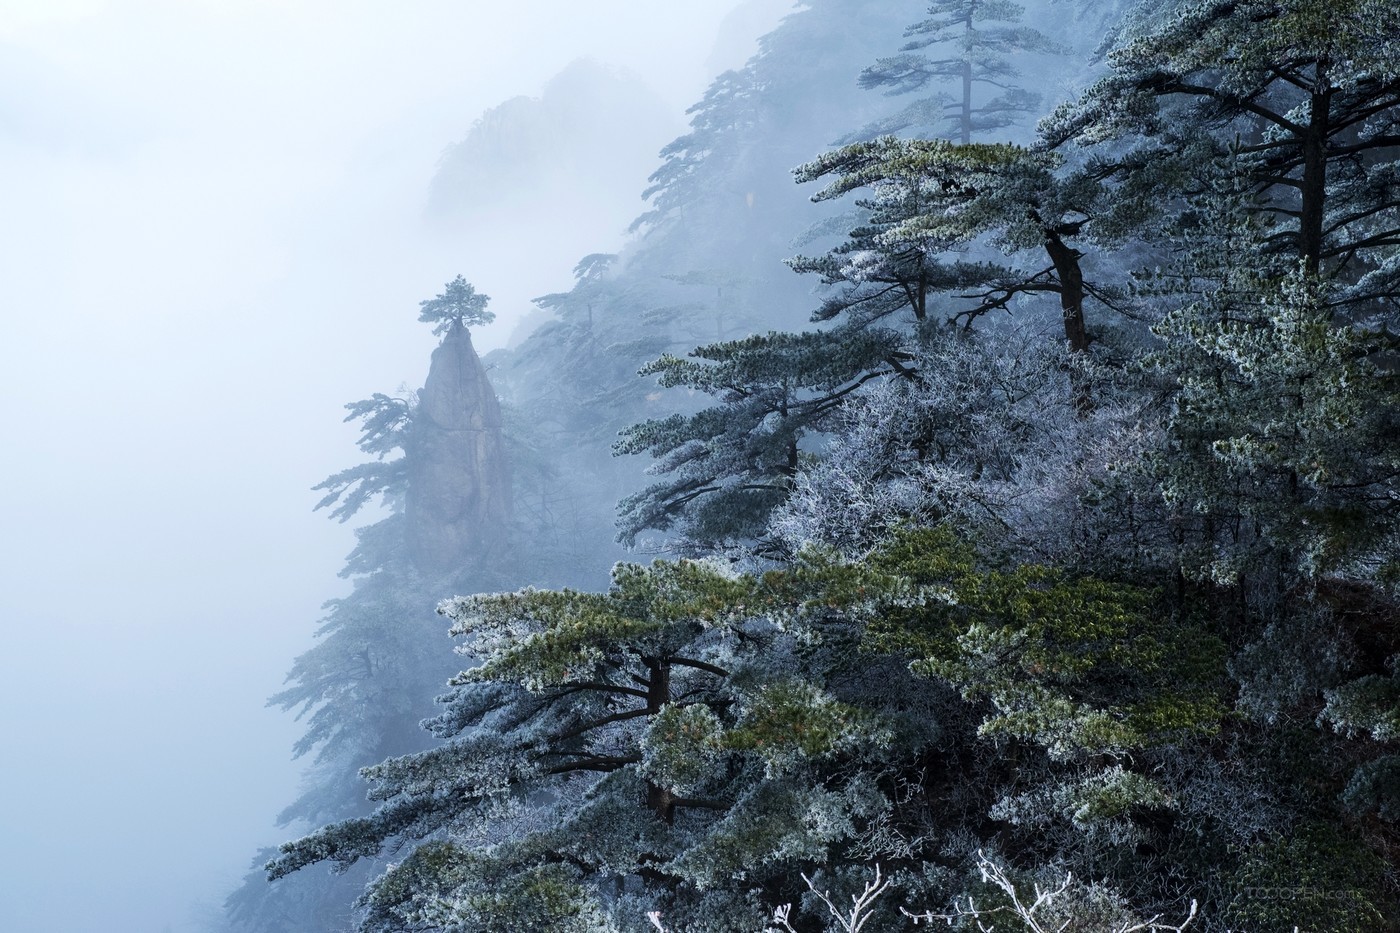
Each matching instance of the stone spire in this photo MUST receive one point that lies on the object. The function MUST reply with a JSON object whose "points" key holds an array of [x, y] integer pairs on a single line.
{"points": [[458, 501]]}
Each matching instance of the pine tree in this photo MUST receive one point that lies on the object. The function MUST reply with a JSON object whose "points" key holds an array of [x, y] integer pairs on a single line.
{"points": [[690, 740], [380, 659], [1302, 93], [1278, 332], [931, 199], [897, 287], [707, 265], [970, 45], [629, 749], [1295, 182], [1136, 624], [458, 306], [729, 465]]}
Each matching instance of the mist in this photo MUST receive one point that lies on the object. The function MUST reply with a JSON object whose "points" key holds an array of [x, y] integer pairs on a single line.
{"points": [[1016, 446], [218, 225]]}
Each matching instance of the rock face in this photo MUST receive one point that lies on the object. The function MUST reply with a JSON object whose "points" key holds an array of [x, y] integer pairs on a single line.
{"points": [[458, 502]]}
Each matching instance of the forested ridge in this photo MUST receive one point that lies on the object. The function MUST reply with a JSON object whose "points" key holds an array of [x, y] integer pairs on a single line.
{"points": [[1010, 396]]}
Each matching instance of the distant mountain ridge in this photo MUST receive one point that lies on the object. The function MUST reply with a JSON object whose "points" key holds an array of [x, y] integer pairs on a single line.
{"points": [[561, 147]]}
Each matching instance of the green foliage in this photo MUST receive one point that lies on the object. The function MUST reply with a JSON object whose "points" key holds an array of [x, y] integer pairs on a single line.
{"points": [[549, 897], [787, 723], [1315, 879], [442, 886], [1072, 664], [1367, 706], [1285, 419], [1112, 795], [459, 305], [775, 828], [734, 728], [683, 745], [665, 686]]}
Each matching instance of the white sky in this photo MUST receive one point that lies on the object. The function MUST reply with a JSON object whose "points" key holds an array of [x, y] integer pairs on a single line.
{"points": [[209, 242]]}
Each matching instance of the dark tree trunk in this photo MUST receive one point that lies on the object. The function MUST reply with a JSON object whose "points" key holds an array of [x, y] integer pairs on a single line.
{"points": [[1314, 185], [1066, 261], [660, 800]]}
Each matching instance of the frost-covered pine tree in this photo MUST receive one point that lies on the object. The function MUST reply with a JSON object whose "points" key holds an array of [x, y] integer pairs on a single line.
{"points": [[965, 52], [726, 467], [1288, 210], [671, 744]]}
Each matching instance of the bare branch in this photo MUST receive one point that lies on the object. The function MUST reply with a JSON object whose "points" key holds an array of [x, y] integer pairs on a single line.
{"points": [[862, 906], [1032, 914]]}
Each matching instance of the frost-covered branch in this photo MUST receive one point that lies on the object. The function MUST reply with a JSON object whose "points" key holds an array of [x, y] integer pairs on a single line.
{"points": [[862, 905], [1043, 913]]}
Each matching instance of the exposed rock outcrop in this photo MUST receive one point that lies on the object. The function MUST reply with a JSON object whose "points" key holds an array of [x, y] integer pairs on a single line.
{"points": [[458, 502]]}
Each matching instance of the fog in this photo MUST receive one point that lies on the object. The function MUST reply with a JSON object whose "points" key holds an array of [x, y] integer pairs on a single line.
{"points": [[213, 237]]}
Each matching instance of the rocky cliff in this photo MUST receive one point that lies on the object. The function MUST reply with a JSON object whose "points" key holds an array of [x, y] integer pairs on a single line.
{"points": [[458, 501]]}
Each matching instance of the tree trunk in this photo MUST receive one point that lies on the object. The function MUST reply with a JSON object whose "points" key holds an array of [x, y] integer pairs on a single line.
{"points": [[659, 800], [1066, 261], [1071, 276], [1314, 184], [966, 114]]}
